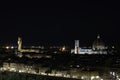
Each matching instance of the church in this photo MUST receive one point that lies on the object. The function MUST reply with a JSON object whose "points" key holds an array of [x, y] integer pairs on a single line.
{"points": [[98, 47]]}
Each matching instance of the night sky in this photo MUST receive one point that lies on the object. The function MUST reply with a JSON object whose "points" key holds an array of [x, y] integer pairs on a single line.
{"points": [[61, 25]]}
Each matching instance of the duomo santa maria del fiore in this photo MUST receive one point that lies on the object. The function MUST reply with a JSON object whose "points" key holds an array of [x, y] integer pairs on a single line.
{"points": [[98, 47]]}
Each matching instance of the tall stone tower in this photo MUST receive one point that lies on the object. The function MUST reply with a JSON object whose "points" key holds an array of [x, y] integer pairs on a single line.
{"points": [[19, 43], [77, 48]]}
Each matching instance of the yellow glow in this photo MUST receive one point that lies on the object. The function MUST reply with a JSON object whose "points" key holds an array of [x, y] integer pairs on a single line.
{"points": [[63, 48], [82, 77], [97, 77], [75, 77], [43, 73], [92, 77], [58, 74], [117, 76], [7, 47], [20, 71]]}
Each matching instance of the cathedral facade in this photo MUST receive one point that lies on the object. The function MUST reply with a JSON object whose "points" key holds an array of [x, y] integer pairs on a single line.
{"points": [[98, 47]]}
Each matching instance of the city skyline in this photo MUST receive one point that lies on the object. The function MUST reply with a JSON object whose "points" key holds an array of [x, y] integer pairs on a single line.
{"points": [[56, 43], [74, 41]]}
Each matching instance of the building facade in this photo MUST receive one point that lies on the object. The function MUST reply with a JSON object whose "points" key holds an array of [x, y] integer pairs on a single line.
{"points": [[98, 47]]}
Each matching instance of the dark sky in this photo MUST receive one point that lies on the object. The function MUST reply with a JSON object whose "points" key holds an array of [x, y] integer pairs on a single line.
{"points": [[61, 25]]}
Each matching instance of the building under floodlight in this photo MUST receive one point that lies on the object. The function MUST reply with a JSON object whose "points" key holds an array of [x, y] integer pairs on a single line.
{"points": [[98, 47]]}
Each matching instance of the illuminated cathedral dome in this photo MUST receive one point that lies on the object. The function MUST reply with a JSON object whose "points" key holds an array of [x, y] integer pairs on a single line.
{"points": [[98, 44]]}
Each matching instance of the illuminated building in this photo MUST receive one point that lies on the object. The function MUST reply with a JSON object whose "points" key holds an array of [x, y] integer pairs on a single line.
{"points": [[98, 44], [98, 47], [19, 44], [77, 48], [34, 69], [24, 50]]}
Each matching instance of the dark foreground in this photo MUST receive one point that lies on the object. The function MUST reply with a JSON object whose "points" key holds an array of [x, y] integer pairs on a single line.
{"points": [[23, 76]]}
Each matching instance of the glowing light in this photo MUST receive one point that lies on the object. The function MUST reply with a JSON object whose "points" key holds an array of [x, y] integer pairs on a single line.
{"points": [[43, 73], [63, 48], [113, 47], [12, 47], [74, 76], [68, 76], [58, 74], [117, 76], [92, 77], [82, 77], [77, 66], [97, 77], [20, 71], [51, 74], [113, 73], [7, 47]]}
